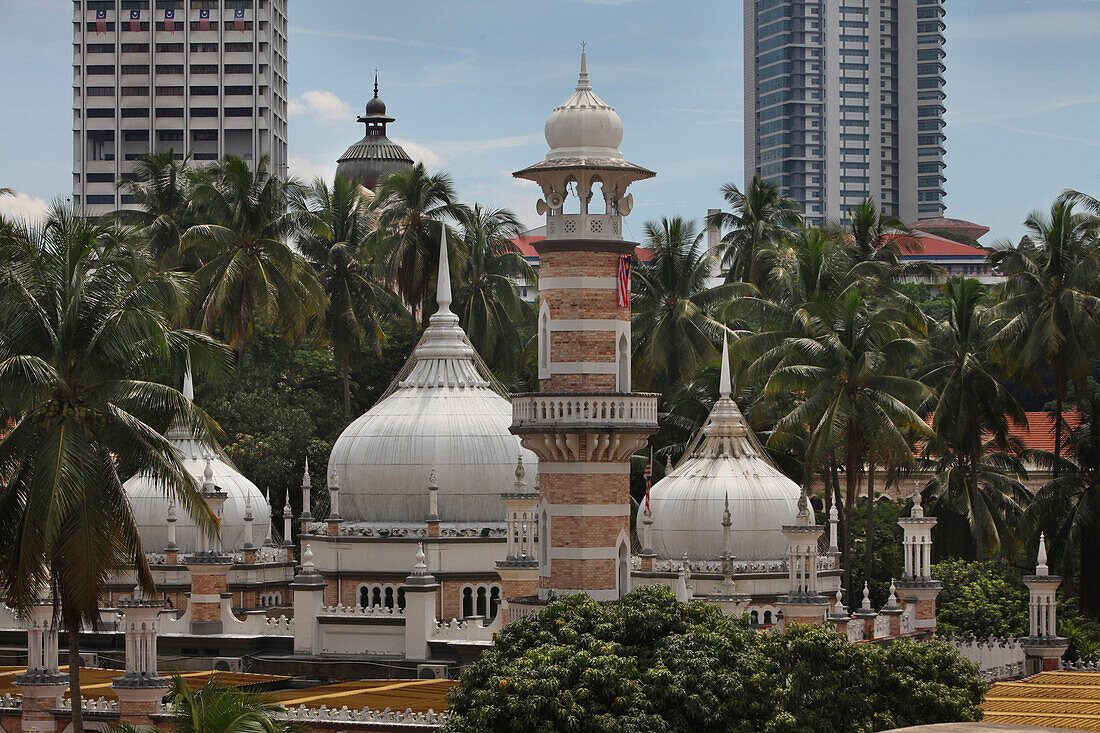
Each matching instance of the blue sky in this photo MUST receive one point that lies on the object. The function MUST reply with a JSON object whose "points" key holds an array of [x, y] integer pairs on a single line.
{"points": [[471, 84]]}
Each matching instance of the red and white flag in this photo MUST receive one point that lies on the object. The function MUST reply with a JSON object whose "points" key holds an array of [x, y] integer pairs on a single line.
{"points": [[170, 20], [204, 20], [135, 21], [238, 19], [100, 22], [624, 280], [648, 473]]}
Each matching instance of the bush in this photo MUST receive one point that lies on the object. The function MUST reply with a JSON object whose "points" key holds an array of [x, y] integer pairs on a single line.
{"points": [[980, 598]]}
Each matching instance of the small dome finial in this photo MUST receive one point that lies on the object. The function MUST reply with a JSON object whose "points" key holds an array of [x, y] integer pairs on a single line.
{"points": [[582, 79], [1041, 566]]}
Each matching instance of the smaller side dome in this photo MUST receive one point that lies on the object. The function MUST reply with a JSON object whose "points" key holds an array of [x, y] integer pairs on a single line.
{"points": [[584, 125], [375, 106]]}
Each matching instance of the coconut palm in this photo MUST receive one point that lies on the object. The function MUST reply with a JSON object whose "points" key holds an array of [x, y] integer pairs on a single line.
{"points": [[487, 299], [848, 366], [971, 414], [85, 325], [333, 236], [249, 269], [876, 244], [673, 321], [161, 185], [1050, 311], [216, 709], [761, 216], [411, 206]]}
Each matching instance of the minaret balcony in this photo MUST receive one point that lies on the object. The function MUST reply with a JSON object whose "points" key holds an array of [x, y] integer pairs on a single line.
{"points": [[584, 226], [590, 412]]}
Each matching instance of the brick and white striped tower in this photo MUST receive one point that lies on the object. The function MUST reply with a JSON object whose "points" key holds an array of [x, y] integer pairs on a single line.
{"points": [[584, 423]]}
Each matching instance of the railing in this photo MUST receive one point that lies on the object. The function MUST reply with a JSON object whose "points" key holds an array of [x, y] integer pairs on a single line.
{"points": [[430, 719], [1081, 665], [1011, 671], [604, 410], [361, 612], [467, 630], [998, 658]]}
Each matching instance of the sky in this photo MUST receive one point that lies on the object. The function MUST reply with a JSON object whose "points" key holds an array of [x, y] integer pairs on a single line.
{"points": [[472, 82]]}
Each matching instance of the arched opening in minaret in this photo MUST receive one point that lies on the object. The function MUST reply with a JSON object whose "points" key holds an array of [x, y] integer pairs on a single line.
{"points": [[623, 358], [622, 582], [544, 341], [544, 544], [572, 203], [597, 204]]}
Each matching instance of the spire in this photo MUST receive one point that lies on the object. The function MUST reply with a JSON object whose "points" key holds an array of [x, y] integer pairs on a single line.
{"points": [[582, 79], [1041, 566], [839, 609], [306, 482], [208, 475], [443, 280], [866, 597], [376, 83], [724, 386], [188, 382], [520, 486], [918, 510]]}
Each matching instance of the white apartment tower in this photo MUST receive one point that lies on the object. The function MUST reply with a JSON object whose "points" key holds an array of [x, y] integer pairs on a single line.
{"points": [[844, 101], [204, 77]]}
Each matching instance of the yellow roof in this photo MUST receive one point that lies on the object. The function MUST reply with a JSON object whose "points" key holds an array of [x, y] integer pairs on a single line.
{"points": [[1053, 699], [96, 683], [399, 695]]}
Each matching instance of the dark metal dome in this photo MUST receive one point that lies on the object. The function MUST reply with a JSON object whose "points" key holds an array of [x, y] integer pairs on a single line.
{"points": [[375, 156]]}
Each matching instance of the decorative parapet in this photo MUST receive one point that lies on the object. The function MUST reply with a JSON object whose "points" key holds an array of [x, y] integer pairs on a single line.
{"points": [[740, 567], [421, 532], [361, 612], [997, 656], [1081, 665], [1012, 671], [323, 714], [11, 702], [470, 630], [98, 705], [536, 411]]}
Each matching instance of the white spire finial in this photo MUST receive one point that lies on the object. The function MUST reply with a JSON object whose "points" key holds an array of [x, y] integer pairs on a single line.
{"points": [[866, 597], [726, 520], [1041, 566], [208, 474], [582, 79], [724, 386], [421, 558], [188, 381], [286, 506], [172, 511], [918, 510], [306, 481], [893, 599], [433, 479], [307, 558], [839, 609], [443, 279]]}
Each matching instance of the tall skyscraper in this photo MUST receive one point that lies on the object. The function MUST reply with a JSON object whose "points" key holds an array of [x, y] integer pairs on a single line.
{"points": [[205, 77], [844, 101]]}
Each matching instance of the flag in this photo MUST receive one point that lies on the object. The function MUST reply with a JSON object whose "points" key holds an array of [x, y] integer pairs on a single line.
{"points": [[648, 473], [170, 20], [100, 22], [238, 19], [624, 280], [135, 21], [204, 20]]}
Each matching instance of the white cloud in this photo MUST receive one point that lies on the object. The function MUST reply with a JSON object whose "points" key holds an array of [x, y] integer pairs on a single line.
{"points": [[431, 159], [23, 207], [307, 169], [323, 106]]}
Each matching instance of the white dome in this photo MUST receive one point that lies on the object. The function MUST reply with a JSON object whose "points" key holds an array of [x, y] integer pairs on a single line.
{"points": [[443, 413], [584, 126], [687, 504], [150, 505]]}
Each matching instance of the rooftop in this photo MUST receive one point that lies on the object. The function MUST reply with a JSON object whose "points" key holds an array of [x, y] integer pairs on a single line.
{"points": [[1054, 699]]}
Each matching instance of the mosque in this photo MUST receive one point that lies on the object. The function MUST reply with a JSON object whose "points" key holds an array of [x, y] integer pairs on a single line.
{"points": [[455, 508]]}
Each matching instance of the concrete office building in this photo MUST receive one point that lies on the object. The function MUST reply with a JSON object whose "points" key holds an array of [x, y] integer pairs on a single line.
{"points": [[844, 101], [205, 77]]}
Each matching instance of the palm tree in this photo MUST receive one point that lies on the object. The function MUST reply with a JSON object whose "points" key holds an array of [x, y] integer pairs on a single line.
{"points": [[333, 235], [849, 367], [487, 300], [759, 219], [876, 243], [673, 321], [411, 206], [216, 709], [249, 270], [161, 186], [1049, 305], [1068, 506], [977, 477], [85, 323]]}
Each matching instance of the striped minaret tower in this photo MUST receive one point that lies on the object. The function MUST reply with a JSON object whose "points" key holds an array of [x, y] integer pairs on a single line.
{"points": [[584, 423]]}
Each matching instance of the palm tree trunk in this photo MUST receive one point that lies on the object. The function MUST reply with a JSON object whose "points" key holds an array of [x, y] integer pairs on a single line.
{"points": [[1060, 391], [852, 466], [870, 521], [347, 390], [74, 676]]}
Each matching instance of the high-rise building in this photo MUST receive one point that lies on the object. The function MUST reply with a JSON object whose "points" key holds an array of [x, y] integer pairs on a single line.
{"points": [[844, 101], [203, 77]]}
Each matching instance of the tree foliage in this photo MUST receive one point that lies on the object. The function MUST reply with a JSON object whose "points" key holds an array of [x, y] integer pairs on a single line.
{"points": [[980, 598]]}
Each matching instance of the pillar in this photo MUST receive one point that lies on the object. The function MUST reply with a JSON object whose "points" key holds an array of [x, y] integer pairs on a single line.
{"points": [[309, 597], [249, 548], [803, 602], [839, 617], [307, 505], [140, 688], [288, 529], [917, 588], [648, 555], [433, 504], [42, 684], [171, 550], [420, 599], [866, 615], [334, 519], [893, 611], [1043, 648]]}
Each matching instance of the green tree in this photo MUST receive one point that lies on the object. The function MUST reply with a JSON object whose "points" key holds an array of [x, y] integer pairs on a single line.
{"points": [[487, 299], [161, 186], [649, 663], [759, 219], [85, 329], [333, 236], [250, 272], [1049, 305], [673, 321], [978, 477], [980, 598], [216, 709], [411, 206]]}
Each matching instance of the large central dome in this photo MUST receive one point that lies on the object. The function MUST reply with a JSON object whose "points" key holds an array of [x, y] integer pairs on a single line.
{"points": [[441, 412]]}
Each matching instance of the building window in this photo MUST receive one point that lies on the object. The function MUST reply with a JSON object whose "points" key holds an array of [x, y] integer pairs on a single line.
{"points": [[170, 135], [100, 70], [169, 68], [135, 91], [169, 91], [195, 25], [204, 111], [100, 177], [169, 47], [238, 111], [169, 112], [204, 48], [135, 48], [132, 112], [203, 91], [101, 113], [101, 91], [238, 47], [100, 48], [204, 68], [135, 68], [136, 135], [238, 90], [101, 198]]}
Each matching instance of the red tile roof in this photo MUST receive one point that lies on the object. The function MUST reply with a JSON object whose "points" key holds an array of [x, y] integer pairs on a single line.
{"points": [[932, 246], [1038, 434]]}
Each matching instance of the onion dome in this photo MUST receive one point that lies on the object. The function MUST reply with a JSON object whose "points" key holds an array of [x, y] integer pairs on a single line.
{"points": [[375, 156], [149, 502], [584, 125], [726, 461], [442, 411]]}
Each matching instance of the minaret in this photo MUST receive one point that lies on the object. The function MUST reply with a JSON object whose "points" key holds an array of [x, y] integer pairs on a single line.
{"points": [[42, 684], [334, 519], [803, 603], [584, 424], [917, 586], [519, 569], [1043, 648], [140, 689], [209, 566]]}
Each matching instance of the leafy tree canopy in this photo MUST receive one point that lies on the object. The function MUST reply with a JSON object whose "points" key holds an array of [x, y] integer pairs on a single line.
{"points": [[980, 598], [649, 663]]}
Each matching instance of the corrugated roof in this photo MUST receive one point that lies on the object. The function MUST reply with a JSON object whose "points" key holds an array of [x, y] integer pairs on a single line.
{"points": [[418, 695], [96, 683], [1054, 699]]}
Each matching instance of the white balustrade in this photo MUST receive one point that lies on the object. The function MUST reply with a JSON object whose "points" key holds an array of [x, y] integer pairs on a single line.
{"points": [[609, 409]]}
